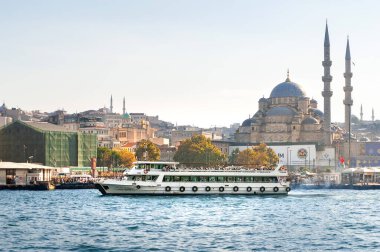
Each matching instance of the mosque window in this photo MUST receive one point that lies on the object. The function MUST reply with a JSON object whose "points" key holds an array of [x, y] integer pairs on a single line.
{"points": [[253, 128], [294, 127]]}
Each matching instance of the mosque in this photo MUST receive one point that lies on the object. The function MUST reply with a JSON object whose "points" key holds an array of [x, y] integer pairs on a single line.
{"points": [[289, 116]]}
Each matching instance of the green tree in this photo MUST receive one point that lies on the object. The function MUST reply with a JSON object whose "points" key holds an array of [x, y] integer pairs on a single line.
{"points": [[199, 151], [258, 156], [104, 156], [146, 150], [232, 159]]}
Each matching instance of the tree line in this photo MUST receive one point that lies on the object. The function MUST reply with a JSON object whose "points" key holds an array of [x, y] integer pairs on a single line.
{"points": [[198, 151]]}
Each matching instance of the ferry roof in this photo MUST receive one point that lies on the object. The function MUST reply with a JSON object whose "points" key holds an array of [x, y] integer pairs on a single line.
{"points": [[155, 162]]}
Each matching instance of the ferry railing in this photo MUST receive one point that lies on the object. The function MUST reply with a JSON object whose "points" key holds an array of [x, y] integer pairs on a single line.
{"points": [[240, 170]]}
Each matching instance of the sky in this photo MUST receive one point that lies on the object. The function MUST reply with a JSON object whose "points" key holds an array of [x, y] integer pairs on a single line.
{"points": [[202, 63]]}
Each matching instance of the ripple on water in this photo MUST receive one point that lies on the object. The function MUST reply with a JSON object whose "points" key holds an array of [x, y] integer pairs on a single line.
{"points": [[82, 220]]}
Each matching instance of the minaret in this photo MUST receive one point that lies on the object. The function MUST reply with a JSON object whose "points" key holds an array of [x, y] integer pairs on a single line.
{"points": [[327, 93], [111, 107], [361, 112], [124, 106], [373, 115], [347, 89]]}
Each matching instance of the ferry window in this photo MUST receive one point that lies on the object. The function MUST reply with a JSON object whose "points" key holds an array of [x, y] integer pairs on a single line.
{"points": [[143, 178], [154, 178], [274, 180], [133, 178], [203, 179], [258, 179], [248, 179], [148, 178], [238, 179], [167, 178], [220, 179], [177, 178], [230, 179], [194, 178], [211, 179], [185, 178], [266, 180]]}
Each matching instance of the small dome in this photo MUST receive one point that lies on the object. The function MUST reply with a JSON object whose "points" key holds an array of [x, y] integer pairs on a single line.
{"points": [[313, 101], [281, 111], [263, 99], [316, 112], [248, 122], [310, 120], [126, 116], [3, 108], [287, 89]]}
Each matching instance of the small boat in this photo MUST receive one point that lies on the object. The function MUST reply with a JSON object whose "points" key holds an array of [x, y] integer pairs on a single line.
{"points": [[164, 178]]}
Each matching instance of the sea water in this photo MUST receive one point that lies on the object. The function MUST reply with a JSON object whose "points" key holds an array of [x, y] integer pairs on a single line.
{"points": [[83, 220]]}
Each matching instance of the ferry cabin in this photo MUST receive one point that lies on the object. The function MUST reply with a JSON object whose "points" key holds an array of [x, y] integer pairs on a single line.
{"points": [[165, 178]]}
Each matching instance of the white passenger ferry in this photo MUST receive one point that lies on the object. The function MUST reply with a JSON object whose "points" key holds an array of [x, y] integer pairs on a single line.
{"points": [[164, 178]]}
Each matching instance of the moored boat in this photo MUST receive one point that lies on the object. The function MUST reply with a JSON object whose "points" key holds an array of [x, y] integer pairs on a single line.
{"points": [[164, 178]]}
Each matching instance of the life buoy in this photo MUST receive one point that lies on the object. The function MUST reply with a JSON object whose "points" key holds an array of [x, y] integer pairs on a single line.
{"points": [[221, 189], [287, 189], [262, 189], [182, 188], [145, 171], [208, 188], [236, 189], [275, 189], [138, 187], [168, 188], [249, 189], [194, 188]]}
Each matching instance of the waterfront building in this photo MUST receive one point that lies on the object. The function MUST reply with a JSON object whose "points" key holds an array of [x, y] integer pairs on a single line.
{"points": [[288, 115], [24, 173], [47, 144]]}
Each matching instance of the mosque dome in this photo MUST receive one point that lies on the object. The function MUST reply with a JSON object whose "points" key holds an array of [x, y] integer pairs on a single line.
{"points": [[3, 108], [126, 116], [281, 111], [287, 89], [248, 122], [316, 112], [263, 99], [313, 101], [310, 120]]}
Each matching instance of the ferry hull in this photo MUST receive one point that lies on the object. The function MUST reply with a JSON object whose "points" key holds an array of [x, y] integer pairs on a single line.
{"points": [[118, 189]]}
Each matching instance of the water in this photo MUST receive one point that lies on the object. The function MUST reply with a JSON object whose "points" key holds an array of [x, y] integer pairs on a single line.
{"points": [[83, 220]]}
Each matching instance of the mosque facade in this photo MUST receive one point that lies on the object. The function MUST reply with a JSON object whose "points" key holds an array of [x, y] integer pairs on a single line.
{"points": [[289, 115]]}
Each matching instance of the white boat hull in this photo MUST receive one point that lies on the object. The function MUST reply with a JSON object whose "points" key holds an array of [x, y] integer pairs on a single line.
{"points": [[117, 188]]}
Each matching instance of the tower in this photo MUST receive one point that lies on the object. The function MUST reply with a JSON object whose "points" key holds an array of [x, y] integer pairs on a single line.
{"points": [[327, 93], [111, 107], [373, 115], [347, 89], [123, 105], [361, 112]]}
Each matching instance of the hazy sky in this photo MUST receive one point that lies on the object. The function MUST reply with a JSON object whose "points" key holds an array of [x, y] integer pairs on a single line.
{"points": [[201, 63]]}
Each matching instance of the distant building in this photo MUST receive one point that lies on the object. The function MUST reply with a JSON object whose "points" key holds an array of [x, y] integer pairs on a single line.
{"points": [[47, 144]]}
